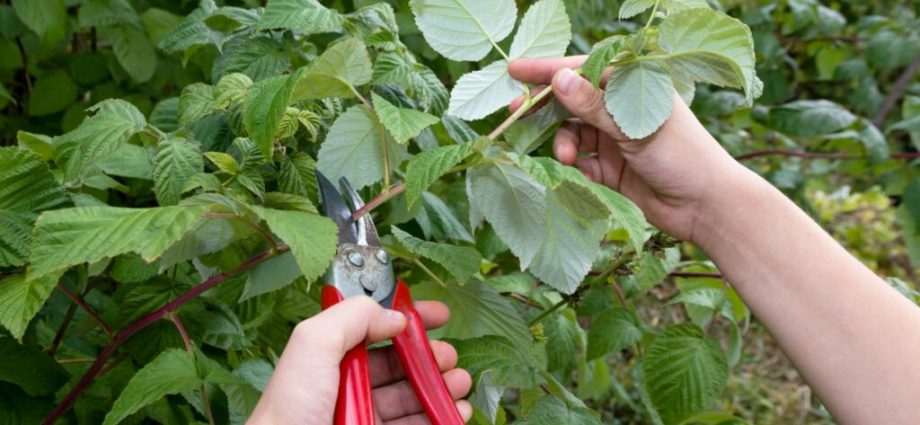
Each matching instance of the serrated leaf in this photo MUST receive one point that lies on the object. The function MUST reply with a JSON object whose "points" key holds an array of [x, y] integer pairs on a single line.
{"points": [[438, 221], [464, 30], [256, 57], [39, 144], [67, 237], [358, 147], [312, 238], [128, 161], [639, 95], [483, 92], [684, 371], [32, 370], [21, 299], [809, 118], [100, 135], [513, 203], [429, 166], [509, 364], [195, 102], [564, 341], [304, 16], [545, 31], [601, 55], [133, 50], [224, 162], [52, 93], [652, 269], [630, 8], [553, 410], [476, 310], [191, 32], [624, 214], [485, 397], [264, 107], [231, 90], [460, 261], [613, 330], [106, 13], [576, 220], [342, 67], [402, 123], [392, 68], [176, 162], [172, 372], [272, 275], [298, 175], [711, 47]]}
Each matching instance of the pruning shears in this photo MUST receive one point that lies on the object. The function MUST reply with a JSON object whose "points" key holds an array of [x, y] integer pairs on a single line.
{"points": [[362, 267]]}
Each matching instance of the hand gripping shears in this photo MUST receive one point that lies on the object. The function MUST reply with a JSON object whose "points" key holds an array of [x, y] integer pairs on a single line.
{"points": [[362, 267]]}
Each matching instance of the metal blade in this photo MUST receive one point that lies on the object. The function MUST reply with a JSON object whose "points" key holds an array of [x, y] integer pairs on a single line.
{"points": [[335, 207], [367, 231]]}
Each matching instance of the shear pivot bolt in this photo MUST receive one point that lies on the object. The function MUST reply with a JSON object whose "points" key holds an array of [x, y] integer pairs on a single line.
{"points": [[382, 257], [355, 259]]}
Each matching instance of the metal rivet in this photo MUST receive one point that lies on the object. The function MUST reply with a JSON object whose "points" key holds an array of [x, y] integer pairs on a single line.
{"points": [[382, 257], [368, 283], [355, 259]]}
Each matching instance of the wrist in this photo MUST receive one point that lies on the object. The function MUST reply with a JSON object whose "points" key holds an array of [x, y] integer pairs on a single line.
{"points": [[735, 195]]}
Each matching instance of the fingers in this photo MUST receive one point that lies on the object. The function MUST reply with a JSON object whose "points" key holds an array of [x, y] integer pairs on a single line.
{"points": [[399, 400], [542, 70], [518, 101], [333, 332], [465, 408], [585, 102], [386, 368], [434, 313]]}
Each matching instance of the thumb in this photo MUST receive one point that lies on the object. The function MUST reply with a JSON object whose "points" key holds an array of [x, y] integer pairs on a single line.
{"points": [[345, 325], [584, 101]]}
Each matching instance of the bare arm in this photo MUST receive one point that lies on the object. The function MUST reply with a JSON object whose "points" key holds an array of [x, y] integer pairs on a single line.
{"points": [[854, 339]]}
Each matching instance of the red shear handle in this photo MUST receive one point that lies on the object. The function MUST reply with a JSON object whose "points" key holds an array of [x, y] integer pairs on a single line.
{"points": [[354, 405], [414, 351]]}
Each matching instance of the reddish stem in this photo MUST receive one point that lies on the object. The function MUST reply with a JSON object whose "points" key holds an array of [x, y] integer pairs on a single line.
{"points": [[142, 323], [89, 310], [378, 200]]}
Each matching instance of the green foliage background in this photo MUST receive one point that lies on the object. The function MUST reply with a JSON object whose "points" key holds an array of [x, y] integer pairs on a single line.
{"points": [[158, 163]]}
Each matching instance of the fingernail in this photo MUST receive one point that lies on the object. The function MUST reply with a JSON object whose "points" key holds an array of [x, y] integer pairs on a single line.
{"points": [[568, 81], [395, 317]]}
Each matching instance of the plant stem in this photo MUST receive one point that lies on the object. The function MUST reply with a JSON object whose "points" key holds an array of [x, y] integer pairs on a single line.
{"points": [[174, 317], [59, 335], [548, 311], [122, 335], [384, 196], [528, 104], [425, 269], [900, 86], [89, 310], [652, 16]]}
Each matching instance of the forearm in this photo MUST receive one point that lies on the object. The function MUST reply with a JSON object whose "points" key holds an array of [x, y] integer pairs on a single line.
{"points": [[854, 339]]}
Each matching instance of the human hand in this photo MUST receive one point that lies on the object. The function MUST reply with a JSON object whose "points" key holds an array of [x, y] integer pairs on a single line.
{"points": [[670, 175], [304, 386]]}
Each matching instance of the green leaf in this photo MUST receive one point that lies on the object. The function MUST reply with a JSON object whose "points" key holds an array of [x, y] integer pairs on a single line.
{"points": [[613, 330], [171, 372], [21, 299], [176, 162], [100, 135], [312, 238], [809, 118], [256, 57], [462, 262], [342, 67], [52, 93], [304, 16], [564, 341], [298, 175], [464, 30], [265, 106], [576, 220], [271, 275], [190, 32], [509, 364], [545, 31], [128, 161], [631, 8], [438, 221], [101, 13], [624, 214], [195, 102], [552, 410], [402, 123], [513, 203], [359, 148], [476, 310], [32, 370], [48, 18], [429, 166], [67, 237], [39, 144], [684, 371], [601, 55], [652, 269], [640, 97], [133, 50], [485, 397], [483, 92], [231, 90], [711, 47]]}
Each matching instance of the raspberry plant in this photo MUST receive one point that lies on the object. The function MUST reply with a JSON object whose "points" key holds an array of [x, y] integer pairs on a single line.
{"points": [[156, 257]]}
